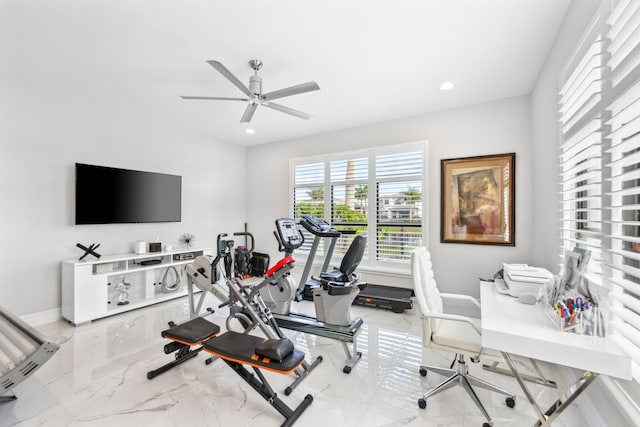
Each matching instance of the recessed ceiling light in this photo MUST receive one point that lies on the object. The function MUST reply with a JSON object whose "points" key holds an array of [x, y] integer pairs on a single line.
{"points": [[446, 86], [250, 131]]}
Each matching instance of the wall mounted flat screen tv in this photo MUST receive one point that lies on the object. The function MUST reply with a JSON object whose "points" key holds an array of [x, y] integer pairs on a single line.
{"points": [[107, 195]]}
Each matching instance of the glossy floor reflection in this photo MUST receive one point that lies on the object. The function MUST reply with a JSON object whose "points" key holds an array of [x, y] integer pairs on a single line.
{"points": [[98, 378]]}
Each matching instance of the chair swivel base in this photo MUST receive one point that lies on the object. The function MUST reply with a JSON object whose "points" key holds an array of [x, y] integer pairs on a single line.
{"points": [[461, 376]]}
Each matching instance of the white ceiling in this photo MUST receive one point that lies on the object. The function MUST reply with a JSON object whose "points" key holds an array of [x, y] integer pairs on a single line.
{"points": [[374, 60]]}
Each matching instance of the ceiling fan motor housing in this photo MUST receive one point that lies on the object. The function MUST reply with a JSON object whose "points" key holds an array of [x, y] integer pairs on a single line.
{"points": [[255, 85]]}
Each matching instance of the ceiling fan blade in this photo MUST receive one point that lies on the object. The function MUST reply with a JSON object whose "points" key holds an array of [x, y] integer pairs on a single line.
{"points": [[248, 113], [287, 110], [233, 79], [293, 90], [215, 98]]}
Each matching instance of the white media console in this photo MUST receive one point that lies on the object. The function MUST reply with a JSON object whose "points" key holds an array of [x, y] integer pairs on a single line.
{"points": [[89, 286]]}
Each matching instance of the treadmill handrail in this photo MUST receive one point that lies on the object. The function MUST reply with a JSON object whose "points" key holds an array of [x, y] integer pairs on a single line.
{"points": [[318, 227]]}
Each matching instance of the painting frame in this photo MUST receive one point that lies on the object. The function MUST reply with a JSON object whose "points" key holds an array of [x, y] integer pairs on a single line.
{"points": [[477, 204]]}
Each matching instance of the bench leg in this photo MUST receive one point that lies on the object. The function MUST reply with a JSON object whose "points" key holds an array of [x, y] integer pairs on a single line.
{"points": [[7, 398], [261, 385], [183, 355]]}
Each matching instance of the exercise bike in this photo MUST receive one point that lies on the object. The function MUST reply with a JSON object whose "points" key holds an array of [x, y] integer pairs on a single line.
{"points": [[245, 303], [390, 297], [332, 298]]}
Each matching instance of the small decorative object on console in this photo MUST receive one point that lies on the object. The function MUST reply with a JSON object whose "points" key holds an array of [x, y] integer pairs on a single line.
{"points": [[141, 247], [123, 287], [89, 250], [155, 247], [185, 256], [187, 239]]}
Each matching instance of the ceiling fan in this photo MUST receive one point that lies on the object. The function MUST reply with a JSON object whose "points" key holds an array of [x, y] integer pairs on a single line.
{"points": [[254, 94]]}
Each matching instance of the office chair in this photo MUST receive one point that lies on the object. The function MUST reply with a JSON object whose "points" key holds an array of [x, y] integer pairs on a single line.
{"points": [[456, 333]]}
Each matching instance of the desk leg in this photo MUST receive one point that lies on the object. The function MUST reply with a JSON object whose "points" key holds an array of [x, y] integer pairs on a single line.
{"points": [[540, 379], [528, 395], [567, 397], [545, 419]]}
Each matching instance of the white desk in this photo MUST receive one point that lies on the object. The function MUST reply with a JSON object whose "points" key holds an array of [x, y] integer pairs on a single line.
{"points": [[519, 329]]}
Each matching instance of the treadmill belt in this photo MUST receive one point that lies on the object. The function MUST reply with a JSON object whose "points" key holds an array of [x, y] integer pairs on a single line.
{"points": [[390, 297]]}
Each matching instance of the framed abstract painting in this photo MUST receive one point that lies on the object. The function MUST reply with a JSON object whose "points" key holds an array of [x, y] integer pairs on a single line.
{"points": [[478, 200]]}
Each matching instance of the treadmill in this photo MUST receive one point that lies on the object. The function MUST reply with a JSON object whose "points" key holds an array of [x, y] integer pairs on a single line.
{"points": [[390, 297], [380, 296]]}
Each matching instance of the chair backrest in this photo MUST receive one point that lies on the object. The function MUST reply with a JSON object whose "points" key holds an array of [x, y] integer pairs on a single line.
{"points": [[425, 288], [352, 258]]}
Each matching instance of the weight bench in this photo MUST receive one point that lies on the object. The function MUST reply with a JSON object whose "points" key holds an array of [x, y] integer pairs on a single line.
{"points": [[184, 338], [238, 350]]}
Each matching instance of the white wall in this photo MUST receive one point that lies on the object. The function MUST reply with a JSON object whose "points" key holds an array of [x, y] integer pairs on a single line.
{"points": [[490, 128], [44, 131]]}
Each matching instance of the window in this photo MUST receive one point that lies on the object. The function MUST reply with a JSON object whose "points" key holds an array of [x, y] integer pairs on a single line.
{"points": [[376, 192], [600, 166]]}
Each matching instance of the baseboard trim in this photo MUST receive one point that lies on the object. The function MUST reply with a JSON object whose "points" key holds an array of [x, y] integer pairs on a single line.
{"points": [[43, 317]]}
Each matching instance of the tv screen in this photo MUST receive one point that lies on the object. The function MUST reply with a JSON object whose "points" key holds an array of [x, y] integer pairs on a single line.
{"points": [[108, 195]]}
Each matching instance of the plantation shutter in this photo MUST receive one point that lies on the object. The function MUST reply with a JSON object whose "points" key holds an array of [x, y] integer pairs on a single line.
{"points": [[624, 176], [308, 196], [376, 192], [349, 179], [398, 205], [580, 160]]}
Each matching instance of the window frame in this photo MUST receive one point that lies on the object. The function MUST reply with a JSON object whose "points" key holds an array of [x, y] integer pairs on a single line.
{"points": [[370, 261]]}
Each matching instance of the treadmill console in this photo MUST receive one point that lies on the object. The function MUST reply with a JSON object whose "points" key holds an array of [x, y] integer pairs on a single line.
{"points": [[318, 226], [288, 234]]}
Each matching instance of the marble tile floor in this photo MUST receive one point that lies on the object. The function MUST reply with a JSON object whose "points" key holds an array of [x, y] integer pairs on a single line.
{"points": [[98, 378]]}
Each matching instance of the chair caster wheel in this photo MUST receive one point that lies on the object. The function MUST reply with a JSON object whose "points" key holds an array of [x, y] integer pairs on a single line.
{"points": [[287, 391], [422, 403], [346, 369], [510, 401], [423, 372], [486, 425], [208, 361]]}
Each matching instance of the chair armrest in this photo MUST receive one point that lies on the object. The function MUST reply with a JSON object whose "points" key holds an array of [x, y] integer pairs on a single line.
{"points": [[461, 297], [454, 317], [463, 305]]}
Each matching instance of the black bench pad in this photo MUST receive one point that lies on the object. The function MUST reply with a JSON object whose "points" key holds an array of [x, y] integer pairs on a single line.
{"points": [[192, 332], [240, 348]]}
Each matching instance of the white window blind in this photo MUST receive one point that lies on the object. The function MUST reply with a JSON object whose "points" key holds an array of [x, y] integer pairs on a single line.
{"points": [[581, 153], [600, 166], [307, 196], [399, 205], [623, 170], [376, 192]]}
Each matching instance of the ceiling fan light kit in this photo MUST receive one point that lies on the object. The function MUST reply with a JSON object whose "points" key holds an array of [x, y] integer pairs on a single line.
{"points": [[254, 95]]}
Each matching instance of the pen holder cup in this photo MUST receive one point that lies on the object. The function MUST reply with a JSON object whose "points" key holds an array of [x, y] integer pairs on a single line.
{"points": [[590, 322]]}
